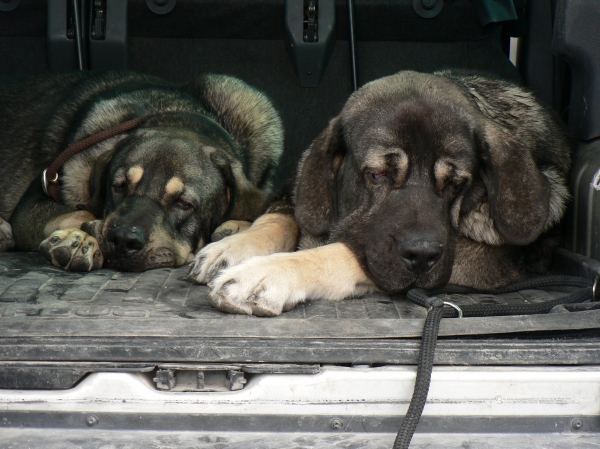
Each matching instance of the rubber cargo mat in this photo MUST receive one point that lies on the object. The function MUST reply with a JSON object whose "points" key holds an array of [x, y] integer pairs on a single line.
{"points": [[33, 290]]}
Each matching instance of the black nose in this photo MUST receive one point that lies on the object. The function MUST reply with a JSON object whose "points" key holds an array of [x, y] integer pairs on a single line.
{"points": [[420, 256], [127, 240]]}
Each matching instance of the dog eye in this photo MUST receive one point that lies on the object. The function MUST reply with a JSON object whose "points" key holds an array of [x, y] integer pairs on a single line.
{"points": [[183, 204], [119, 187], [378, 177], [453, 187]]}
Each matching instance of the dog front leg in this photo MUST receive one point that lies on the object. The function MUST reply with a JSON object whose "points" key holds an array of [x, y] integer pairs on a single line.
{"points": [[41, 224], [270, 233], [269, 285]]}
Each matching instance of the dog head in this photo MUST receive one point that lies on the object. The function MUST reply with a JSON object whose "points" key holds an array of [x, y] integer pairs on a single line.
{"points": [[411, 163], [161, 192]]}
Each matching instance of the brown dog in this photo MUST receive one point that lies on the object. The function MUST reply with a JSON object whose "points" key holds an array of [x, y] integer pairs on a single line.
{"points": [[421, 180], [160, 166]]}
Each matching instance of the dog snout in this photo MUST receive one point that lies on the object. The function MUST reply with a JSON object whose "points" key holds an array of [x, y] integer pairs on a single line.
{"points": [[127, 240], [420, 256]]}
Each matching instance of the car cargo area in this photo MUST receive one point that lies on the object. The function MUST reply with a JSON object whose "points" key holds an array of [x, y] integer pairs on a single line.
{"points": [[49, 315], [143, 359], [110, 359]]}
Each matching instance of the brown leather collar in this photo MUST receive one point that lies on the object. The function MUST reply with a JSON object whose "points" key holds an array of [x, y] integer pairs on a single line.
{"points": [[50, 175]]}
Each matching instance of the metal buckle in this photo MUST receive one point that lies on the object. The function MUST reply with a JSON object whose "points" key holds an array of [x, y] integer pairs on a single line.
{"points": [[594, 289], [455, 307], [45, 181]]}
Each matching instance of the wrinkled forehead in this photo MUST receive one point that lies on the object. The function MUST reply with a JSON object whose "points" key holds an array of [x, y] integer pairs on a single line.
{"points": [[391, 120], [412, 133], [161, 155]]}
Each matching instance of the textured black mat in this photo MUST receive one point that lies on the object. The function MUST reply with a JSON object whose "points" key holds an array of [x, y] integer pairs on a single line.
{"points": [[30, 286], [49, 315]]}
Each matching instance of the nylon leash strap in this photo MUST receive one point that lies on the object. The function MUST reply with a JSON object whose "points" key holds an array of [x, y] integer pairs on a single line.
{"points": [[437, 311]]}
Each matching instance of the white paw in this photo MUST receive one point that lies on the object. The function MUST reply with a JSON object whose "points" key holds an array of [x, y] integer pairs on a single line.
{"points": [[263, 286], [270, 285], [271, 233], [222, 254], [73, 250], [6, 237]]}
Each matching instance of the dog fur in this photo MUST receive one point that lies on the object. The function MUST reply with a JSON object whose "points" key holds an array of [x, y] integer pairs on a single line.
{"points": [[149, 197], [421, 180]]}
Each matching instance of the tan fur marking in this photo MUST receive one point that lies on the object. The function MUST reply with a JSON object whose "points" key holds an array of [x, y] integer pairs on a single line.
{"points": [[403, 162], [272, 284], [270, 233], [443, 170], [479, 226], [328, 272], [135, 173], [201, 244], [160, 239], [174, 187], [67, 221]]}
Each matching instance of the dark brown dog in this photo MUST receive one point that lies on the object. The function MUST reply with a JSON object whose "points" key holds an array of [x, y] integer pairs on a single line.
{"points": [[420, 181], [146, 196]]}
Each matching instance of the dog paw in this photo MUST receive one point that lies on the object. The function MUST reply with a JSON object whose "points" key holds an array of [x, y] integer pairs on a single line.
{"points": [[6, 237], [270, 285], [230, 251], [73, 250], [215, 257], [262, 286], [271, 233], [228, 228]]}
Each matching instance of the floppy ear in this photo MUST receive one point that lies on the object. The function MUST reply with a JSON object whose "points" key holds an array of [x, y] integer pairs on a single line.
{"points": [[247, 201], [518, 192], [315, 195]]}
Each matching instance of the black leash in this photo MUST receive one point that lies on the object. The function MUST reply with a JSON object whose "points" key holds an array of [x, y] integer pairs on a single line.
{"points": [[437, 311]]}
